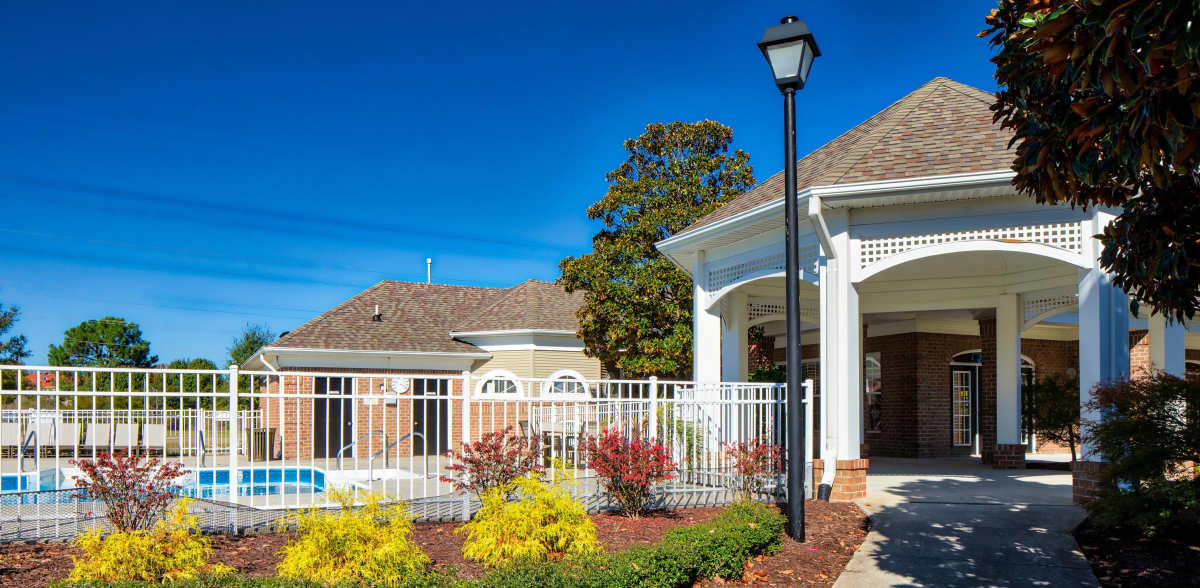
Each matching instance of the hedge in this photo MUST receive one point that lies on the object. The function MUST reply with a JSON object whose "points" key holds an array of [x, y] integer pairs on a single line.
{"points": [[719, 547]]}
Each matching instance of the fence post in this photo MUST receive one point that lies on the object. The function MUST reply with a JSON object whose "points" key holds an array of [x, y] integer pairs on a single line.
{"points": [[808, 438], [653, 407], [466, 435], [233, 446]]}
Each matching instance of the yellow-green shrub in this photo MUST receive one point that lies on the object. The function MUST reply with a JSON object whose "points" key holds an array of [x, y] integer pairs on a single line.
{"points": [[371, 544], [542, 522], [173, 550]]}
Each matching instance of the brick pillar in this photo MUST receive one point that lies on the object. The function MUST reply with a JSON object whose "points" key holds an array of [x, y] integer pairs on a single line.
{"points": [[849, 482], [1139, 353], [1087, 478], [987, 390], [1009, 457]]}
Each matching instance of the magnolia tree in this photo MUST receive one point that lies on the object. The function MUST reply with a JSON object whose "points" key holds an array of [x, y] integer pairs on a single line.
{"points": [[1103, 97], [637, 306]]}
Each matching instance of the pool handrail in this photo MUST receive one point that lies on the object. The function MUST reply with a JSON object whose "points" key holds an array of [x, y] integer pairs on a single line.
{"points": [[32, 436]]}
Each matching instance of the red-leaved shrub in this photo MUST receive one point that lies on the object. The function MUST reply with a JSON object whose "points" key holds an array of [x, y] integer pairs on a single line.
{"points": [[493, 461], [628, 468], [136, 493], [752, 460]]}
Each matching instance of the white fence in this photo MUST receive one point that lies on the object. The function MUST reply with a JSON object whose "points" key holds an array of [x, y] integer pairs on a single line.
{"points": [[281, 440]]}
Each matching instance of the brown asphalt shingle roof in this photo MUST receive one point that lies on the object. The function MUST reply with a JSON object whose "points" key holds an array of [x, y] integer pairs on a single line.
{"points": [[418, 317], [941, 128], [530, 305]]}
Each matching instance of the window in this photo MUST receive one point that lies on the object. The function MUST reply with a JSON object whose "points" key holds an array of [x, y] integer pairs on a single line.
{"points": [[499, 383], [565, 383], [873, 391]]}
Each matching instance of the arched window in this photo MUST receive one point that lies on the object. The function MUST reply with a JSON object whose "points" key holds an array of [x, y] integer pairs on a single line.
{"points": [[499, 383], [565, 383]]}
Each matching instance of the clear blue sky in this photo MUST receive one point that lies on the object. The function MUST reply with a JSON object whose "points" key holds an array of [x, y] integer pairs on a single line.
{"points": [[198, 166]]}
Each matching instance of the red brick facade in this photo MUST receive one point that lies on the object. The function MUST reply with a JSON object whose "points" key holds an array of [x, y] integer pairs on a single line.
{"points": [[1087, 478], [849, 481]]}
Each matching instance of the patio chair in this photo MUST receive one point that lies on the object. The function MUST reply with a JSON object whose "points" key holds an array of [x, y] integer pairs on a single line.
{"points": [[154, 438], [97, 437], [10, 436], [125, 437], [66, 436]]}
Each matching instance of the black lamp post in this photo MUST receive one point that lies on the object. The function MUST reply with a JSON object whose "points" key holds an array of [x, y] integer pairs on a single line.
{"points": [[790, 49]]}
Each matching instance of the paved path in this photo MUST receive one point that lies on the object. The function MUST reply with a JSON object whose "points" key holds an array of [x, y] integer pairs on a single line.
{"points": [[956, 523]]}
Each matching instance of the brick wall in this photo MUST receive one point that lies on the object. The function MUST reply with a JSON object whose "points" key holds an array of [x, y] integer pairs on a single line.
{"points": [[1087, 479], [1139, 353], [987, 390], [849, 481], [292, 418]]}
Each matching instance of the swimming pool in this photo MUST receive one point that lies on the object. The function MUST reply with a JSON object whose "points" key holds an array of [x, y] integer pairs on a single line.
{"points": [[214, 483]]}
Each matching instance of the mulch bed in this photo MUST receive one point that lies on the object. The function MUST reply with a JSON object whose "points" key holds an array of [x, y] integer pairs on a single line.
{"points": [[1128, 559], [835, 530]]}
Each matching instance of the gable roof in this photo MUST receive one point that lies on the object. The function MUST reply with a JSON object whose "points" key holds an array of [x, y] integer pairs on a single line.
{"points": [[941, 128], [419, 317], [536, 305]]}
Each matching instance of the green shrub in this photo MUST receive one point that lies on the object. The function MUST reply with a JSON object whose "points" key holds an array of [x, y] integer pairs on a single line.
{"points": [[719, 547], [370, 544], [1150, 437], [171, 551], [542, 523]]}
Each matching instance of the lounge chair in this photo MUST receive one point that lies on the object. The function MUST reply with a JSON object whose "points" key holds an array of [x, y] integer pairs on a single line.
{"points": [[66, 436], [46, 430], [10, 436], [125, 438], [154, 438], [98, 437]]}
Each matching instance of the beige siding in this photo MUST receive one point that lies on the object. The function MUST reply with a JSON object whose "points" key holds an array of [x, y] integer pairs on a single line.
{"points": [[539, 363], [548, 362], [519, 362]]}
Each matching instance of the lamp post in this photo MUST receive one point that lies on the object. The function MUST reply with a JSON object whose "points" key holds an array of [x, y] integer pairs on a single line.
{"points": [[790, 49]]}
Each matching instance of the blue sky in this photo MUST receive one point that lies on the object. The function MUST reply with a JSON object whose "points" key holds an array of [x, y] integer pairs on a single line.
{"points": [[198, 166]]}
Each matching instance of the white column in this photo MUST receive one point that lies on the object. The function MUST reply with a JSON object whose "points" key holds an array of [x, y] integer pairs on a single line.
{"points": [[1008, 370], [828, 372], [1166, 345], [850, 388], [1103, 341], [706, 327], [734, 356]]}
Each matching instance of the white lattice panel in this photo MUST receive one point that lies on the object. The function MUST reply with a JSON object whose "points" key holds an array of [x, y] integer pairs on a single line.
{"points": [[754, 310], [1066, 236], [722, 276], [1041, 305]]}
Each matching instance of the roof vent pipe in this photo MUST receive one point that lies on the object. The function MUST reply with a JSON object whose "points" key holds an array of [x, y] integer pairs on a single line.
{"points": [[428, 270], [377, 317]]}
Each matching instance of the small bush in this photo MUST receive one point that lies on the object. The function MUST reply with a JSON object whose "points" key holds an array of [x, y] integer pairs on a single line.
{"points": [[1150, 437], [371, 544], [173, 550], [752, 462], [494, 461], [628, 468], [135, 493], [1050, 409], [543, 523]]}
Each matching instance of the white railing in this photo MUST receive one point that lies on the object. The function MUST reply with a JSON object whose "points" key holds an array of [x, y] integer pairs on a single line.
{"points": [[292, 436]]}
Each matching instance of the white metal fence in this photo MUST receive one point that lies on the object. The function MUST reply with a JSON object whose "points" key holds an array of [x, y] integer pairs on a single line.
{"points": [[263, 442]]}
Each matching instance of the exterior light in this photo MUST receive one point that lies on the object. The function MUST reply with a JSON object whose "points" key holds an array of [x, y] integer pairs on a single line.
{"points": [[790, 49]]}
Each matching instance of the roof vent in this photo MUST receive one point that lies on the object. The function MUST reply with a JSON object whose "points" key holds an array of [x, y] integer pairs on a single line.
{"points": [[377, 317]]}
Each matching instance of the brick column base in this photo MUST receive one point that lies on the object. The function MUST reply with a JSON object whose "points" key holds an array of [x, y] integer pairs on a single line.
{"points": [[1008, 457], [1087, 478], [849, 482]]}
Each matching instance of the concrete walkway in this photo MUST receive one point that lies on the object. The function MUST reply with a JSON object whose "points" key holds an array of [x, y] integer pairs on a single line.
{"points": [[953, 522]]}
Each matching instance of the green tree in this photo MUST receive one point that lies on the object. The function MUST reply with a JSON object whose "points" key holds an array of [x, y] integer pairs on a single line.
{"points": [[253, 338], [637, 311], [106, 342], [1104, 100], [15, 349], [1050, 409]]}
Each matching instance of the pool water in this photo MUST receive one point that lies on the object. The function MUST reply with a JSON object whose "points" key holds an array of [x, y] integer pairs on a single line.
{"points": [[214, 483], [200, 483]]}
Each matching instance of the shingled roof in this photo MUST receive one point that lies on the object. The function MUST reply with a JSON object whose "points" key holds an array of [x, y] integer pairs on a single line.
{"points": [[941, 128], [418, 317], [533, 304]]}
